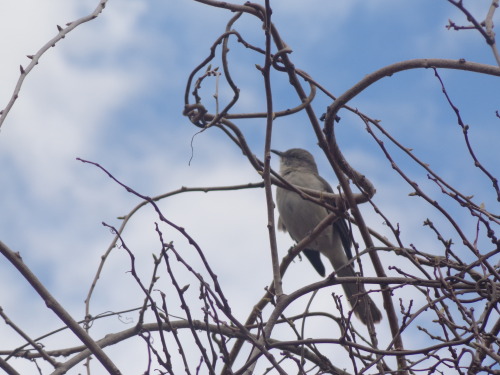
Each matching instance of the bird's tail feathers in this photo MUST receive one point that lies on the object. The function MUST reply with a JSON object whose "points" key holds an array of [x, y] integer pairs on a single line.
{"points": [[359, 299]]}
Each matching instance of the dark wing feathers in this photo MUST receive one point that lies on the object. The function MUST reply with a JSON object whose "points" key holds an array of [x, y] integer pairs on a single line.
{"points": [[340, 225], [315, 259]]}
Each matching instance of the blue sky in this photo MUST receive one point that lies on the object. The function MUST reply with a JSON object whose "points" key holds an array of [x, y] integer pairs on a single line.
{"points": [[112, 92]]}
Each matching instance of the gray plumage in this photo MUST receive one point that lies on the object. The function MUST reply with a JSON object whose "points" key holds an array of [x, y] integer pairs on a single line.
{"points": [[299, 217]]}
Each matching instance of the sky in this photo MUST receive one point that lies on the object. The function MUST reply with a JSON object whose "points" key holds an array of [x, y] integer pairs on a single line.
{"points": [[112, 92]]}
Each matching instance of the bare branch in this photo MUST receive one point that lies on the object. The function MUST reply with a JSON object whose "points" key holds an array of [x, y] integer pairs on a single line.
{"points": [[51, 43]]}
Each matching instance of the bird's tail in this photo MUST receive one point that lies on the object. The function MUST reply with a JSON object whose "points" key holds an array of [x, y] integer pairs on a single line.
{"points": [[356, 294]]}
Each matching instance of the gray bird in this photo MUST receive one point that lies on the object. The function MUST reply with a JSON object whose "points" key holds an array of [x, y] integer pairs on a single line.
{"points": [[299, 217]]}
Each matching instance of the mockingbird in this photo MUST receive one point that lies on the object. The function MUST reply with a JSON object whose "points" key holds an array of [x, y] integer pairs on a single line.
{"points": [[299, 217]]}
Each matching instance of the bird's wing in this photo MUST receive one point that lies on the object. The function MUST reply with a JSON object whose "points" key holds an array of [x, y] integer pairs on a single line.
{"points": [[312, 255], [339, 225], [314, 258]]}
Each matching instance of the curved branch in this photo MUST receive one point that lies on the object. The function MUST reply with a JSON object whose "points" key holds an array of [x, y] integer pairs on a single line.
{"points": [[227, 331], [389, 70], [63, 31], [285, 112]]}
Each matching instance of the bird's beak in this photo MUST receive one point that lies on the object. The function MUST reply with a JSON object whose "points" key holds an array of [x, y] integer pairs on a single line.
{"points": [[279, 153]]}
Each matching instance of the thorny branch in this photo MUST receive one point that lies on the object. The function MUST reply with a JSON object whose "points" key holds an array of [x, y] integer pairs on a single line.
{"points": [[452, 302], [62, 33]]}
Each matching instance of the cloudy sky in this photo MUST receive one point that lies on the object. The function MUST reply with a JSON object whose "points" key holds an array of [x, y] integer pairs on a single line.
{"points": [[112, 92]]}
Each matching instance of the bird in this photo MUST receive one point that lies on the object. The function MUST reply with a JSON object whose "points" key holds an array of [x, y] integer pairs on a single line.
{"points": [[299, 217]]}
